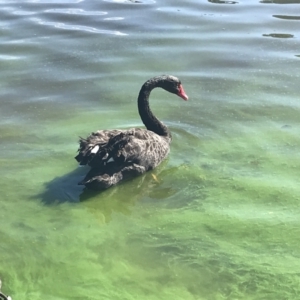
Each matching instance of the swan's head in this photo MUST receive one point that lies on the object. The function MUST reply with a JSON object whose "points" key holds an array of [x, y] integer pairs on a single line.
{"points": [[173, 85]]}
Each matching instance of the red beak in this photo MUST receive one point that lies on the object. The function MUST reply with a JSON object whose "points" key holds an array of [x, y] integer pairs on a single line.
{"points": [[182, 93]]}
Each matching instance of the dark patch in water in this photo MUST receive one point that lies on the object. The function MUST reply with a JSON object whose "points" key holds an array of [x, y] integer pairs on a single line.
{"points": [[63, 189], [222, 2], [286, 126], [279, 35], [280, 1], [287, 17]]}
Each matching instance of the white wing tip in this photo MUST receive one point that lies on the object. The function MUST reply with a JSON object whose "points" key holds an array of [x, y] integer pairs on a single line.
{"points": [[95, 149]]}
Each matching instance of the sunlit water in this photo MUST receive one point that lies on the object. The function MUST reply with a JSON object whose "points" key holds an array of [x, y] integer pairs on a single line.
{"points": [[222, 219]]}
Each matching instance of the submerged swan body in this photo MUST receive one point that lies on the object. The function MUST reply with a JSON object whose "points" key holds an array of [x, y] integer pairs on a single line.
{"points": [[115, 155]]}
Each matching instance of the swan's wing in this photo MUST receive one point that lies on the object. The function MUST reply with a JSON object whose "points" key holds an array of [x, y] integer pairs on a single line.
{"points": [[145, 148], [95, 148], [123, 147]]}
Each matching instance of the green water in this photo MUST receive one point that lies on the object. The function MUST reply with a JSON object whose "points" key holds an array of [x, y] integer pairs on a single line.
{"points": [[222, 222], [220, 218]]}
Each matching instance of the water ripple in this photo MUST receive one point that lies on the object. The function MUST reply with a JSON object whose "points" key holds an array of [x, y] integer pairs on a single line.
{"points": [[23, 13], [54, 2], [75, 11], [77, 27], [114, 19], [9, 57]]}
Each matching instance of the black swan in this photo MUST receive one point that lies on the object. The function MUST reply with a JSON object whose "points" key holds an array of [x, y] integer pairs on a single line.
{"points": [[115, 155]]}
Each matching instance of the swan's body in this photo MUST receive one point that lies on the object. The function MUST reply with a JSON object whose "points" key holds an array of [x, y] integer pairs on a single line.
{"points": [[115, 155]]}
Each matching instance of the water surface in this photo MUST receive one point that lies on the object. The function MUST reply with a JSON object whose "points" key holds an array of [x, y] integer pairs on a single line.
{"points": [[222, 221]]}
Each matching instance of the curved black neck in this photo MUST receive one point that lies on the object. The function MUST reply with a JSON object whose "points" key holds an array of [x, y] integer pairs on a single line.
{"points": [[148, 118]]}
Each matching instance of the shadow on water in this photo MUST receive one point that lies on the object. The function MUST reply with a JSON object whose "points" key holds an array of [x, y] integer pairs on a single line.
{"points": [[64, 189], [101, 204]]}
